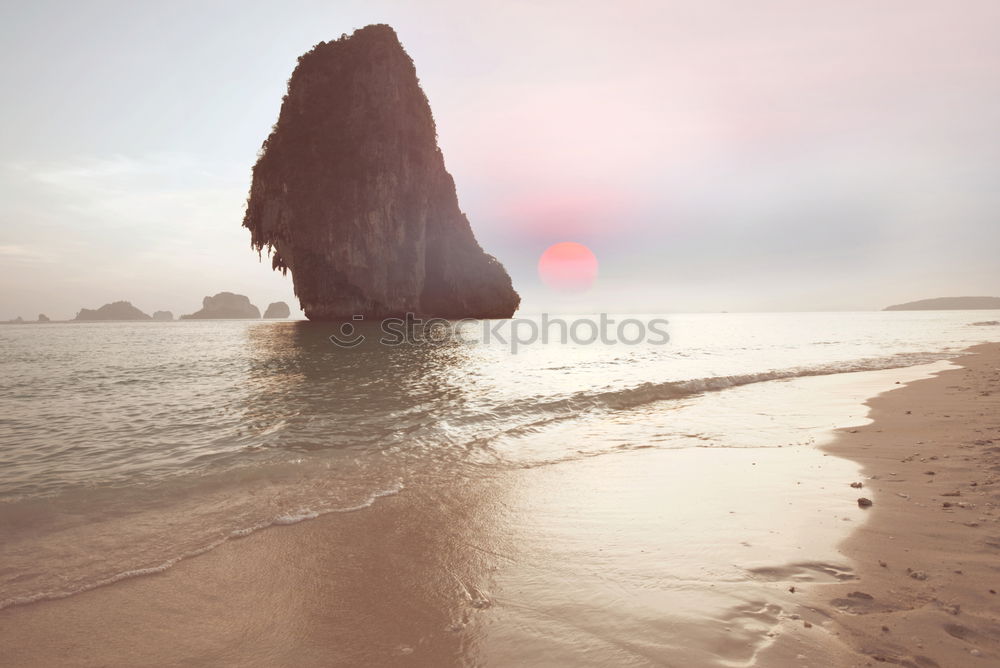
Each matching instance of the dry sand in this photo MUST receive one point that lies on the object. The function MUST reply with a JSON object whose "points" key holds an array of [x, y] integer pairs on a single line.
{"points": [[529, 567], [928, 558]]}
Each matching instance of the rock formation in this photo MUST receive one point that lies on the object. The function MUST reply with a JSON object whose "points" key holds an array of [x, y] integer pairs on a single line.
{"points": [[350, 193], [113, 311], [277, 310], [948, 304], [224, 305], [43, 318], [163, 315]]}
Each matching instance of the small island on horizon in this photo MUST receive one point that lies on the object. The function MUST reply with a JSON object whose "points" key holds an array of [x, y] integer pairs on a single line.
{"points": [[224, 306], [948, 304], [120, 310]]}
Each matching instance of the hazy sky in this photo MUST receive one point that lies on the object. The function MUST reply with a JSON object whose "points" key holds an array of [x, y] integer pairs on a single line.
{"points": [[715, 155]]}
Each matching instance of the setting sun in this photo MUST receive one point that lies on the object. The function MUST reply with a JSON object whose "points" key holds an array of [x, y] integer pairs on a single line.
{"points": [[568, 266]]}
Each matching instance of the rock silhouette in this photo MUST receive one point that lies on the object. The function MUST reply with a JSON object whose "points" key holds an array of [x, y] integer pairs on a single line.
{"points": [[277, 310], [350, 193], [114, 311], [163, 315], [43, 318], [224, 305]]}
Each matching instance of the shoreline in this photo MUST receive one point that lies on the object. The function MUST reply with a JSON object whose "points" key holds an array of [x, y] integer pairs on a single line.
{"points": [[471, 572], [927, 560]]}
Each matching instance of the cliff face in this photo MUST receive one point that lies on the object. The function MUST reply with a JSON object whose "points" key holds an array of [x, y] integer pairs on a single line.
{"points": [[113, 311], [224, 305], [351, 195]]}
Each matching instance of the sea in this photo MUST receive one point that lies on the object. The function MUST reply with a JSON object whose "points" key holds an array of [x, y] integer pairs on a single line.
{"points": [[127, 447]]}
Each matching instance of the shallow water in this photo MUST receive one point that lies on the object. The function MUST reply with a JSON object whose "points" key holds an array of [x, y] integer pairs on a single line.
{"points": [[125, 447], [683, 556]]}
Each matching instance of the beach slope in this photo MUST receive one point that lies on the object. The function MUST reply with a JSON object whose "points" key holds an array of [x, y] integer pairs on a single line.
{"points": [[928, 559]]}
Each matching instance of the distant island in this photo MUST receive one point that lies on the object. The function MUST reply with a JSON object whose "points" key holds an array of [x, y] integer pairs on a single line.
{"points": [[948, 304], [225, 305], [114, 311], [277, 310]]}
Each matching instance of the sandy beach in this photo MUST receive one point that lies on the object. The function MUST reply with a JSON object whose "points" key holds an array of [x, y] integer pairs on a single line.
{"points": [[596, 561], [924, 592]]}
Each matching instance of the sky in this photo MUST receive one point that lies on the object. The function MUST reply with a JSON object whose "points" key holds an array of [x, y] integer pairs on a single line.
{"points": [[774, 155]]}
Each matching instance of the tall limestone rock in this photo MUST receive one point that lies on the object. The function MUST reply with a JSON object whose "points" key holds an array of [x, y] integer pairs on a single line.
{"points": [[351, 195]]}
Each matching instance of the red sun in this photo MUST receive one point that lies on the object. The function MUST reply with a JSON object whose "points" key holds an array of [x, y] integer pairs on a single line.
{"points": [[568, 266]]}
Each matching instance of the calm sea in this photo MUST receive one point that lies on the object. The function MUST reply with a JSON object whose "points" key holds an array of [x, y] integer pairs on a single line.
{"points": [[125, 447]]}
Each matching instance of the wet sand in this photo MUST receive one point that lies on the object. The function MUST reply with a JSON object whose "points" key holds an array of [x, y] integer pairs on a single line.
{"points": [[928, 558], [644, 557], [586, 563]]}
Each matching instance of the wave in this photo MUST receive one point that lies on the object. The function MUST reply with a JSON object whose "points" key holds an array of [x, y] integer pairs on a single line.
{"points": [[651, 392], [524, 418], [307, 514], [539, 412], [281, 520]]}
